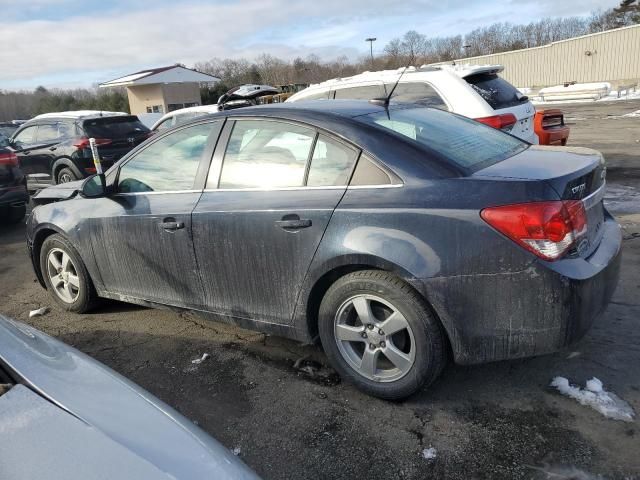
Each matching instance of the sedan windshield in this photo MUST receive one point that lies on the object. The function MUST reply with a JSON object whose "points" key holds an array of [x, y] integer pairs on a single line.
{"points": [[464, 142]]}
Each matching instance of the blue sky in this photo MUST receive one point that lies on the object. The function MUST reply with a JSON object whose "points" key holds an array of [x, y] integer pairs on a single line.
{"points": [[69, 43]]}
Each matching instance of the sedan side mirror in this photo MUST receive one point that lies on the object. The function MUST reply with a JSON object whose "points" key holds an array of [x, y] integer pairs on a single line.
{"points": [[94, 187]]}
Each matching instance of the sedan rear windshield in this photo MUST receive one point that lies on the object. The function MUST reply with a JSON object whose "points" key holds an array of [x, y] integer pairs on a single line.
{"points": [[114, 127], [464, 142], [497, 92]]}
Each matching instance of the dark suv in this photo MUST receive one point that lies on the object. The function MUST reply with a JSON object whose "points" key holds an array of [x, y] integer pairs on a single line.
{"points": [[54, 148]]}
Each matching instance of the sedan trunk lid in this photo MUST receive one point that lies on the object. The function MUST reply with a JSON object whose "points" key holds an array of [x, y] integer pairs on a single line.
{"points": [[574, 173]]}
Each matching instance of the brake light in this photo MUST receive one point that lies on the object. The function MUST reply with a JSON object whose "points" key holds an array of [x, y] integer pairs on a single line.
{"points": [[9, 159], [83, 142], [547, 229], [500, 122]]}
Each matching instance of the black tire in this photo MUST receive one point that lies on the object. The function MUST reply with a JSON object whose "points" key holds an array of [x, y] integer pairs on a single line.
{"points": [[85, 297], [65, 175], [16, 214], [428, 337]]}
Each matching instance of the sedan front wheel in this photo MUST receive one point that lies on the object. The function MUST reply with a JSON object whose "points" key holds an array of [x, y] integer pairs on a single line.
{"points": [[380, 335], [65, 275]]}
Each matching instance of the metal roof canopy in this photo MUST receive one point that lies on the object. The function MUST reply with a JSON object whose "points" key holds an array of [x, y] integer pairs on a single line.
{"points": [[171, 74]]}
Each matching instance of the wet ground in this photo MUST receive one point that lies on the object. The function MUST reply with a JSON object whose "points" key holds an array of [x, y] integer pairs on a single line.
{"points": [[291, 417]]}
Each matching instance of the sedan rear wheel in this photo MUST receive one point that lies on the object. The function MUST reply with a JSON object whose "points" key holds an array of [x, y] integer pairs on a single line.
{"points": [[65, 275], [380, 335], [375, 338]]}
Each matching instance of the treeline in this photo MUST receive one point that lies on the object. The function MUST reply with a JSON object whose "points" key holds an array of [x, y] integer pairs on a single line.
{"points": [[24, 105], [413, 48]]}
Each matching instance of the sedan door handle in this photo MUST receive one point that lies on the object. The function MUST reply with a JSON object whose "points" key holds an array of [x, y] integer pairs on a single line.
{"points": [[294, 224], [53, 149], [171, 226]]}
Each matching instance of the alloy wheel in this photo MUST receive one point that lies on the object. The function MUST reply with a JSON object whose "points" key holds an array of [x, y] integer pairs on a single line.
{"points": [[65, 178], [374, 338], [63, 275]]}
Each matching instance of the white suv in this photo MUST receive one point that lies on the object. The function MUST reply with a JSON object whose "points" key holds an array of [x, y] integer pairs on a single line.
{"points": [[475, 91]]}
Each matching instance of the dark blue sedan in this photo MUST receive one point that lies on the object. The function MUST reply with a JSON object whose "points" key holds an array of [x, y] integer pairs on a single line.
{"points": [[399, 236]]}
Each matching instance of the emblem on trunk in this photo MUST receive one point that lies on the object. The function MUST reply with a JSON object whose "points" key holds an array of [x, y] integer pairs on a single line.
{"points": [[583, 246], [579, 189]]}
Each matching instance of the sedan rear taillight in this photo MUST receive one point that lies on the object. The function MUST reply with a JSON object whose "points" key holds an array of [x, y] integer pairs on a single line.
{"points": [[9, 159], [547, 229], [83, 142], [506, 121]]}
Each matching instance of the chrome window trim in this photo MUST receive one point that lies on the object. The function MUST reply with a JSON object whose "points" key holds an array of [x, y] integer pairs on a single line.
{"points": [[133, 194], [595, 197], [280, 189], [388, 185]]}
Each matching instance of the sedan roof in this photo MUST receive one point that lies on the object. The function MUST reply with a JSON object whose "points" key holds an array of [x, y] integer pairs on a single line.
{"points": [[343, 108]]}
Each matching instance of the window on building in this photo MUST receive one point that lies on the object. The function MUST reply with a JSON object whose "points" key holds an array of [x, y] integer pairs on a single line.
{"points": [[155, 109]]}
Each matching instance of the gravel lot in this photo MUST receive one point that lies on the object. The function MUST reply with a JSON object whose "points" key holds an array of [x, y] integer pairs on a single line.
{"points": [[494, 421]]}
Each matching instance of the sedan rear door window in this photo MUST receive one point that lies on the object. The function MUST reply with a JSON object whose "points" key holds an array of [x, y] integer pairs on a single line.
{"points": [[265, 154], [331, 164], [169, 164]]}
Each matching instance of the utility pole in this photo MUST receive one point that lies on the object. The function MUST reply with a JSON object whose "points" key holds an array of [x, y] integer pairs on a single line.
{"points": [[371, 40]]}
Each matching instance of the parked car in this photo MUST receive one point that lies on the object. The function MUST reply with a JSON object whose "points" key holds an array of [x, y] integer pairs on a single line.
{"points": [[395, 234], [550, 127], [54, 148], [182, 115], [238, 97], [7, 128], [64, 416], [13, 185], [475, 91]]}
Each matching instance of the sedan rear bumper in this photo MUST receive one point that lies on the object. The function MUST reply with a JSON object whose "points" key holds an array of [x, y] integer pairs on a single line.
{"points": [[534, 311]]}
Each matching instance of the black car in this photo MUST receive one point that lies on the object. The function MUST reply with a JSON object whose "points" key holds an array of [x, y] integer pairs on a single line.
{"points": [[396, 235], [13, 185], [54, 148]]}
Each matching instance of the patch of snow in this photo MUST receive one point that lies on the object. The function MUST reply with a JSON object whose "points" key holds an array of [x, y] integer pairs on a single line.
{"points": [[524, 90], [429, 453], [594, 396], [198, 361], [632, 114], [611, 97], [39, 312], [236, 451]]}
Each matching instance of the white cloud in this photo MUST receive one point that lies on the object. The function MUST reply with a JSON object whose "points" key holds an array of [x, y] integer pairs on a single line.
{"points": [[147, 34]]}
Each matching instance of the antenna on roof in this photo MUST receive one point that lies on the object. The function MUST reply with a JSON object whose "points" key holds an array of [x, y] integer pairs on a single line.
{"points": [[385, 101]]}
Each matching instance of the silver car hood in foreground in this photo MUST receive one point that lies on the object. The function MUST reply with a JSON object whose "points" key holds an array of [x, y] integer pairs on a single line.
{"points": [[88, 422]]}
